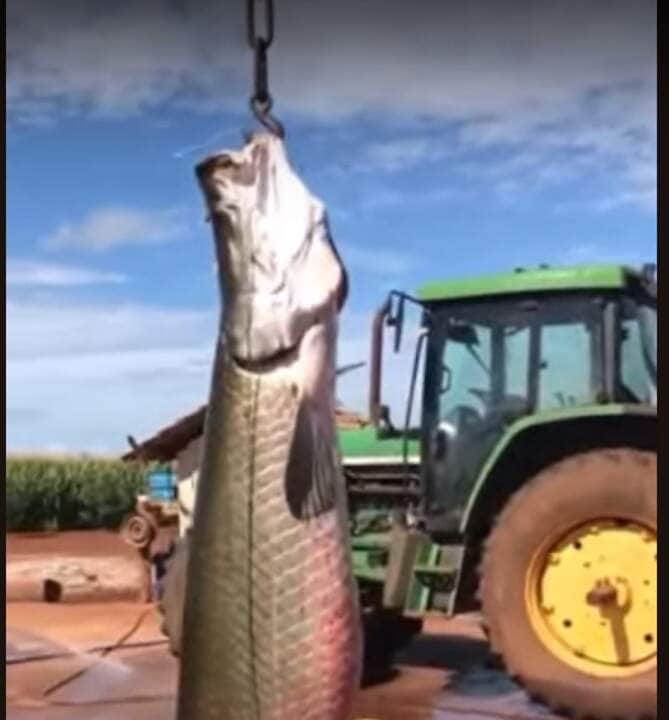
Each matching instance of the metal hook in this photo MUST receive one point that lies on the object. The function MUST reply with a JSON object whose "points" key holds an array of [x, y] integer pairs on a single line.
{"points": [[261, 100], [261, 109]]}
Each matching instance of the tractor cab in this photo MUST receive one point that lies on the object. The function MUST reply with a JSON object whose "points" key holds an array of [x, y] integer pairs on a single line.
{"points": [[519, 347]]}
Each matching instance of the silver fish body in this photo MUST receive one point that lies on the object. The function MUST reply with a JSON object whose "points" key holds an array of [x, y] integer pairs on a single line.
{"points": [[271, 626]]}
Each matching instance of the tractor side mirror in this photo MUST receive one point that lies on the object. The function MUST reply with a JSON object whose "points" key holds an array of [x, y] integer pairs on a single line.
{"points": [[396, 320]]}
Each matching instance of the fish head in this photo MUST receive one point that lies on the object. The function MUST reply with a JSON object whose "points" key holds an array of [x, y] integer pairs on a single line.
{"points": [[279, 270]]}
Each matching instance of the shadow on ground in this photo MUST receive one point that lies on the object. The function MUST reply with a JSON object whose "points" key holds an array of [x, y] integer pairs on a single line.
{"points": [[473, 680]]}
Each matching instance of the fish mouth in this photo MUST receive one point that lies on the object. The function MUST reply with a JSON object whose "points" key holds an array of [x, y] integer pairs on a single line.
{"points": [[261, 365], [279, 269]]}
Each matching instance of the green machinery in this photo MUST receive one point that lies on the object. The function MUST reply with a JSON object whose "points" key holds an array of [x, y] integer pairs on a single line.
{"points": [[528, 489]]}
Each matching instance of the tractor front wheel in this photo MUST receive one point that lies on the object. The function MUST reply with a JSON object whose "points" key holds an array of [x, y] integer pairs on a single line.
{"points": [[138, 530], [569, 585]]}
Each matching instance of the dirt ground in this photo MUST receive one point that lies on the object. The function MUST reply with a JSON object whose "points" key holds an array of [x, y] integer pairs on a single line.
{"points": [[79, 566], [109, 661], [91, 543]]}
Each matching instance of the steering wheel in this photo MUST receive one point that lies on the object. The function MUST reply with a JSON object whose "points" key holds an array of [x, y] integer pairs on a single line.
{"points": [[479, 394], [464, 416]]}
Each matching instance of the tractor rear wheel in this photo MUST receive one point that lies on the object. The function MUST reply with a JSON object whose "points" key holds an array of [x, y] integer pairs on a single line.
{"points": [[569, 585]]}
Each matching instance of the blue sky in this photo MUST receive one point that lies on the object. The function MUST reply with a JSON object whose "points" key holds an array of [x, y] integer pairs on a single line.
{"points": [[445, 144]]}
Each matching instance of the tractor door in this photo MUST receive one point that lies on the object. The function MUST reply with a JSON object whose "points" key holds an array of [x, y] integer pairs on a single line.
{"points": [[489, 363], [478, 381]]}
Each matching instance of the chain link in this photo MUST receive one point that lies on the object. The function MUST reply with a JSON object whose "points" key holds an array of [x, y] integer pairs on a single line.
{"points": [[253, 36], [261, 100]]}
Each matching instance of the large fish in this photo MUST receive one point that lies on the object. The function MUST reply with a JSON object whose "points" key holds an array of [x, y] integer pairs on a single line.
{"points": [[271, 626]]}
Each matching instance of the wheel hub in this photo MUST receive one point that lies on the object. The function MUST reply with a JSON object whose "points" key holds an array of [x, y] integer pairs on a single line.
{"points": [[592, 597], [138, 531], [604, 594]]}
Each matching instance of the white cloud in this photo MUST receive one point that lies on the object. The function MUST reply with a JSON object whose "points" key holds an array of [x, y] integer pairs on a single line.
{"points": [[96, 400], [601, 252], [86, 58], [328, 59], [609, 135], [31, 273], [36, 329], [84, 376], [401, 154], [111, 227], [150, 365], [548, 76], [376, 260], [606, 136], [381, 197]]}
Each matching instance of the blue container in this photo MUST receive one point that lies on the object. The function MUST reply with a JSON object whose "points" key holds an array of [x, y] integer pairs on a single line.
{"points": [[162, 485]]}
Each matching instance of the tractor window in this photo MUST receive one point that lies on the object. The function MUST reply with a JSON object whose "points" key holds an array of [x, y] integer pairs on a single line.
{"points": [[566, 372], [516, 361], [638, 351], [632, 369], [466, 374], [491, 362]]}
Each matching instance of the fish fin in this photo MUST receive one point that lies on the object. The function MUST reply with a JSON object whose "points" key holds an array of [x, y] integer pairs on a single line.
{"points": [[313, 467]]}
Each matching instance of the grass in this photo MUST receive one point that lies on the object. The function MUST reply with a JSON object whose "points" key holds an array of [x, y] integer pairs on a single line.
{"points": [[69, 493]]}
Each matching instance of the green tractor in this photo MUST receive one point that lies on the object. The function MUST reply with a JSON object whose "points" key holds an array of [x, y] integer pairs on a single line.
{"points": [[528, 490]]}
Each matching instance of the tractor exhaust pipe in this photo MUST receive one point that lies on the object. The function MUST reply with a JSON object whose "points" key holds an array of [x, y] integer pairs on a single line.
{"points": [[376, 358]]}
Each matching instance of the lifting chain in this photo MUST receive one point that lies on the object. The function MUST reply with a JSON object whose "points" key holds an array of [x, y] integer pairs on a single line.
{"points": [[261, 100]]}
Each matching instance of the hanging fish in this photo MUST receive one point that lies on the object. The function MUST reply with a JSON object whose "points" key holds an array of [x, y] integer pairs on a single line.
{"points": [[271, 625]]}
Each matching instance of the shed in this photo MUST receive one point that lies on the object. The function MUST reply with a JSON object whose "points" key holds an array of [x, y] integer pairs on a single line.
{"points": [[180, 444]]}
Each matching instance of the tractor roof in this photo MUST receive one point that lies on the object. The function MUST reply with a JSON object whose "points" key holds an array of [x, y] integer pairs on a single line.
{"points": [[522, 280]]}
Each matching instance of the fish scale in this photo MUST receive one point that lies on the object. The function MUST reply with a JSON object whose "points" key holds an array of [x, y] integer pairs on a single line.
{"points": [[271, 624]]}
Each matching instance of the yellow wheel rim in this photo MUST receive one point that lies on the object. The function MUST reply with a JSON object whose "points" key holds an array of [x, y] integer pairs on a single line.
{"points": [[592, 598]]}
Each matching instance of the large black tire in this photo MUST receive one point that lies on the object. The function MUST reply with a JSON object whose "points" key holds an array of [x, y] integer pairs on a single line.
{"points": [[620, 483]]}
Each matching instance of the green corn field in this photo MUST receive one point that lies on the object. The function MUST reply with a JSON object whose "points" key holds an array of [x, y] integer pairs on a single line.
{"points": [[64, 493]]}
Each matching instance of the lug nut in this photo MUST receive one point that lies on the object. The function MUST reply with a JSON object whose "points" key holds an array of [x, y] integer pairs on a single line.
{"points": [[603, 593]]}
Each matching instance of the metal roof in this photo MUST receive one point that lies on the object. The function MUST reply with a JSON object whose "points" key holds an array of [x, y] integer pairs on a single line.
{"points": [[169, 441], [166, 444]]}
